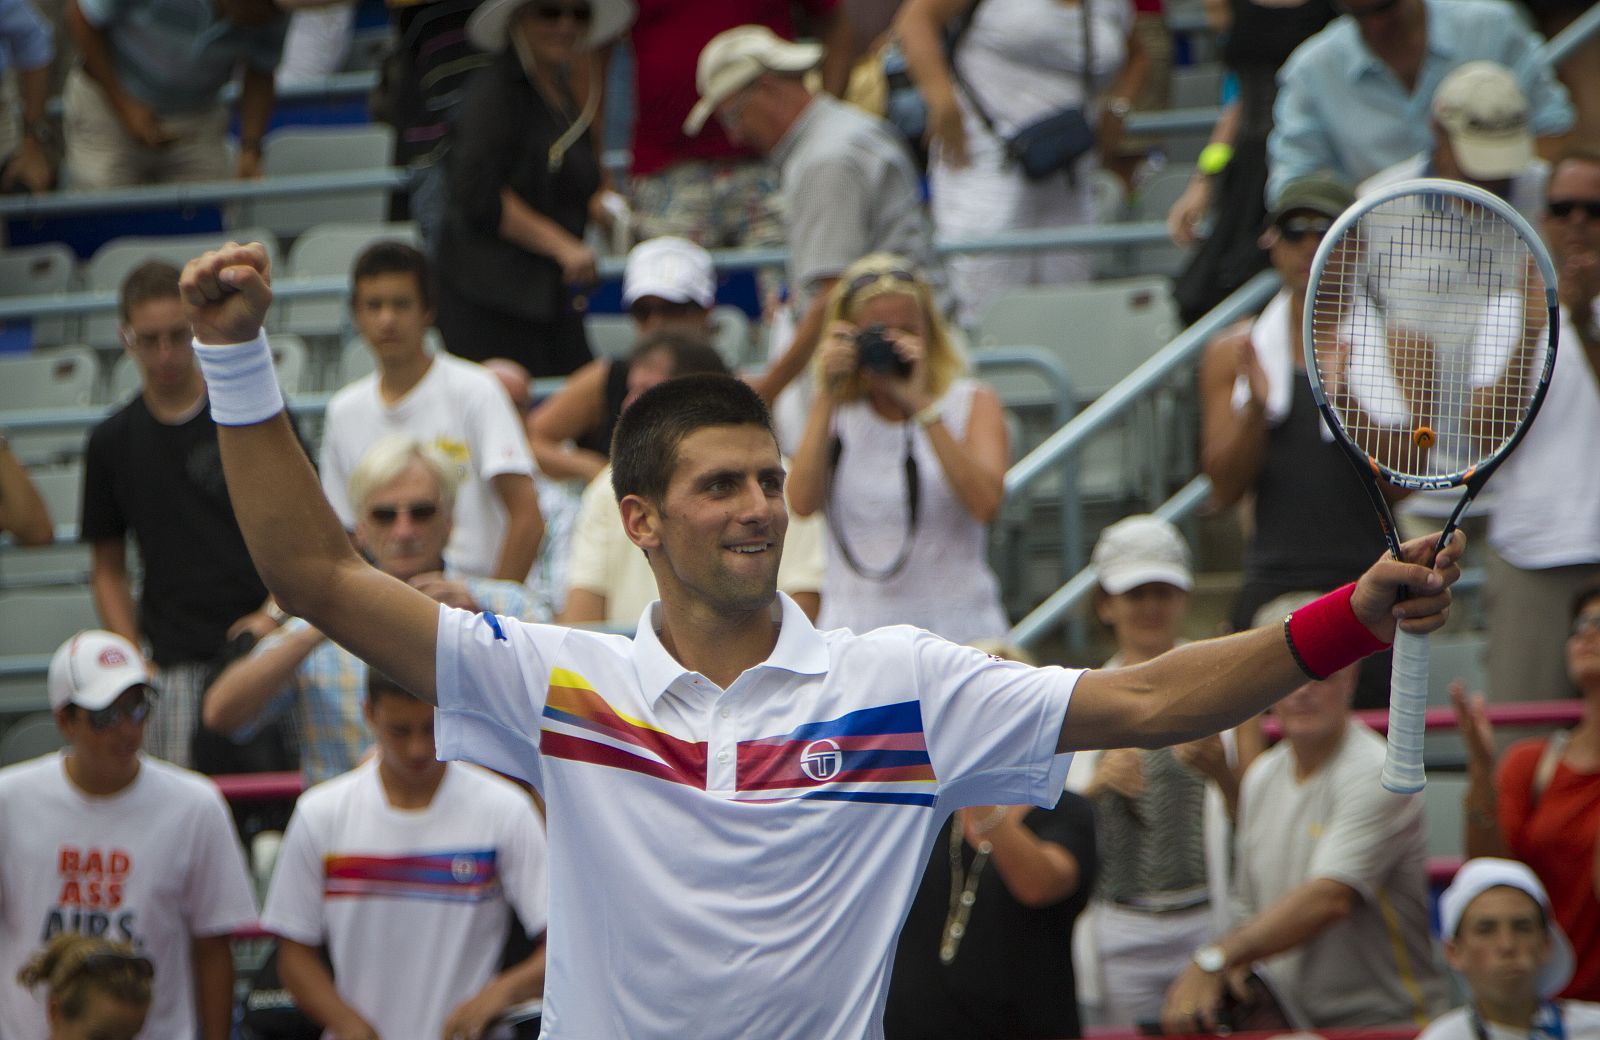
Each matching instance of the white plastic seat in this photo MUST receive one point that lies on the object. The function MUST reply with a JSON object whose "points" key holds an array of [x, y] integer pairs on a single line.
{"points": [[322, 149], [112, 262], [36, 621], [35, 271], [289, 358], [61, 487], [29, 737], [328, 251]]}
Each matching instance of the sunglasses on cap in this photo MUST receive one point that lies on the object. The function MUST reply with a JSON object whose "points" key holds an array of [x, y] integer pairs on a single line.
{"points": [[1561, 209], [420, 512], [579, 13], [136, 710], [861, 282], [1296, 229]]}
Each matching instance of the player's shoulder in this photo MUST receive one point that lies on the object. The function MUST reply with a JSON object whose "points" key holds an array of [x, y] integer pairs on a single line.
{"points": [[353, 395], [334, 791], [31, 775]]}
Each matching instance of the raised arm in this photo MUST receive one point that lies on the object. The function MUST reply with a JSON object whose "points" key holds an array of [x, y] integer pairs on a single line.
{"points": [[298, 545], [1207, 687]]}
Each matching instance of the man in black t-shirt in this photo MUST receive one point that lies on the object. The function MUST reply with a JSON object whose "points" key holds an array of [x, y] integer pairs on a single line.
{"points": [[153, 469]]}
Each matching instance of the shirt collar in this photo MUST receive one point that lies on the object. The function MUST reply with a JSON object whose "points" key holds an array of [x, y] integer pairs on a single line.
{"points": [[791, 139], [800, 649]]}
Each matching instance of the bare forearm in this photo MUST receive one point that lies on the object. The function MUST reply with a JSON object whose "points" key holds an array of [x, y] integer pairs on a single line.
{"points": [[807, 487], [257, 95], [1295, 919], [567, 462], [1480, 823], [113, 601], [524, 526], [1037, 873], [96, 52], [248, 685], [34, 86], [838, 51], [22, 510], [308, 980], [920, 28], [213, 986], [979, 488], [793, 361], [1233, 453], [583, 606]]}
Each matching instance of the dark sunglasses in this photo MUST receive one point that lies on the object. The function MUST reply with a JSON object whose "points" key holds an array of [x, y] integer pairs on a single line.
{"points": [[136, 710], [645, 309], [140, 966], [1561, 209], [1361, 14], [554, 12], [1295, 229], [870, 278], [420, 512]]}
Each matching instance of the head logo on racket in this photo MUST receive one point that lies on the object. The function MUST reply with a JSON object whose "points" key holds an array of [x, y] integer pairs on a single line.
{"points": [[821, 760]]}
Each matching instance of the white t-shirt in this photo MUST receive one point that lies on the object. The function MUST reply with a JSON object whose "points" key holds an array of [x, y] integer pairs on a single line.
{"points": [[412, 903], [462, 410], [156, 865], [1376, 967], [605, 562], [737, 863], [1547, 500], [1580, 1020]]}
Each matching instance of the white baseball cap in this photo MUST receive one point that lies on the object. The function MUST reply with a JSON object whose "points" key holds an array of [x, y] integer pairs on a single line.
{"points": [[489, 25], [93, 669], [1485, 115], [672, 268], [1476, 877], [1138, 550], [734, 58]]}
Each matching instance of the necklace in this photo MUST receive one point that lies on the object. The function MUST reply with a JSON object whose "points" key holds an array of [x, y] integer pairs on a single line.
{"points": [[964, 883], [558, 150]]}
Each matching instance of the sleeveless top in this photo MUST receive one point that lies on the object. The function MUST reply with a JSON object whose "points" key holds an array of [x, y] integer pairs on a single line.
{"points": [[946, 585]]}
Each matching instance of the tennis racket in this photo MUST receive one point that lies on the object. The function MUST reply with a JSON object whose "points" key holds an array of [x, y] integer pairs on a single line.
{"points": [[1430, 332]]}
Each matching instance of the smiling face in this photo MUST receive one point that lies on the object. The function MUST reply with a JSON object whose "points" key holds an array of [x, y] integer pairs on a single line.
{"points": [[1500, 945], [715, 538]]}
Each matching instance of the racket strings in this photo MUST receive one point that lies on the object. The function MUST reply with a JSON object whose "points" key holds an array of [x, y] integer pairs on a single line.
{"points": [[1429, 328]]}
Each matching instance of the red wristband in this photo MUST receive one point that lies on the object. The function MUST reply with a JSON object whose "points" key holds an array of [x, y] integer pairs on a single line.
{"points": [[1325, 634]]}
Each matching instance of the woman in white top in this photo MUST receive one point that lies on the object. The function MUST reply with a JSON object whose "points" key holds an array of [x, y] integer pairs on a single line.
{"points": [[907, 456], [1015, 62]]}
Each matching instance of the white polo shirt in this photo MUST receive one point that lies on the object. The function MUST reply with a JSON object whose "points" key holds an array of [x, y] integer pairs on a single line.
{"points": [[737, 863]]}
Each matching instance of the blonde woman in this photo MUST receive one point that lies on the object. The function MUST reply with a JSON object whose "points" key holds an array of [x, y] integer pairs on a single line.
{"points": [[94, 988], [906, 454]]}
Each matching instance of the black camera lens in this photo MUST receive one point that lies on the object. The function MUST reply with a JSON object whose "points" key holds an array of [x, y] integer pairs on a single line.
{"points": [[875, 353]]}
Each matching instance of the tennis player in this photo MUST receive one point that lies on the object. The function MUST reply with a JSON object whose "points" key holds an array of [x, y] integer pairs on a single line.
{"points": [[739, 805]]}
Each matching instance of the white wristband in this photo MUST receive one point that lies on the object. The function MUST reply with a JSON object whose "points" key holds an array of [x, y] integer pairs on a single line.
{"points": [[240, 381]]}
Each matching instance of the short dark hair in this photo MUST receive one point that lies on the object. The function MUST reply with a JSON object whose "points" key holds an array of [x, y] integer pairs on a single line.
{"points": [[644, 445], [691, 355], [380, 685], [392, 256], [151, 280]]}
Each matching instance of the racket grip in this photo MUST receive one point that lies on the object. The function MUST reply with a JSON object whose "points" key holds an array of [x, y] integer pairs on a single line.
{"points": [[1408, 705]]}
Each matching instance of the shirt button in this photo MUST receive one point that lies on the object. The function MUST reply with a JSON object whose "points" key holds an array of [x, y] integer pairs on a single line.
{"points": [[722, 756]]}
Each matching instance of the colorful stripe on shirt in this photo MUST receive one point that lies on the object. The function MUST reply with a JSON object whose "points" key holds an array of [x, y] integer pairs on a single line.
{"points": [[872, 755], [580, 726], [459, 876]]}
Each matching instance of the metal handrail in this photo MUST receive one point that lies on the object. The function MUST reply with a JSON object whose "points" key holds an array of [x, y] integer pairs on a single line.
{"points": [[1560, 47], [201, 193]]}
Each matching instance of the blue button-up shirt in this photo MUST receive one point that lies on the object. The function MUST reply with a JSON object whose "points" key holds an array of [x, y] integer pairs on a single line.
{"points": [[1340, 108], [25, 41]]}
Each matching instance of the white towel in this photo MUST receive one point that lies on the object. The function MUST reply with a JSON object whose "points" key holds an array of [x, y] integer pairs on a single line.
{"points": [[1270, 336]]}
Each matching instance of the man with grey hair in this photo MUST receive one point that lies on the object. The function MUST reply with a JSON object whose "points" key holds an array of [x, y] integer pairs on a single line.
{"points": [[403, 491]]}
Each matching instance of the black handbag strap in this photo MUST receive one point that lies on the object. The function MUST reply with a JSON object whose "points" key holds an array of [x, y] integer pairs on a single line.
{"points": [[836, 522], [1087, 71]]}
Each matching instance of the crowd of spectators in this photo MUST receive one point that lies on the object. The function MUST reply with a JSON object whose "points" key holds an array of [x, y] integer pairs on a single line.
{"points": [[1200, 885]]}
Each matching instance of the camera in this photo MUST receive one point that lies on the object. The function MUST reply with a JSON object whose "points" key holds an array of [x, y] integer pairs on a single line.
{"points": [[875, 353]]}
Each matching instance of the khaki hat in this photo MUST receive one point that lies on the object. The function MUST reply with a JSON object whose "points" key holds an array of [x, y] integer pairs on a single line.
{"points": [[1485, 115], [488, 26], [93, 669], [734, 58], [1317, 192], [1139, 550], [671, 268], [1476, 877]]}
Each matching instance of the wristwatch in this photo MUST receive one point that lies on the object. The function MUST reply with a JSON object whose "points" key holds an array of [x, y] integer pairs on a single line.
{"points": [[1119, 106], [42, 131], [1211, 958]]}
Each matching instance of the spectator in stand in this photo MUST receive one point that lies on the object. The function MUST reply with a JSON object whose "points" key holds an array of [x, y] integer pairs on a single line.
{"points": [[906, 455], [453, 405], [704, 185], [1502, 941], [848, 188], [1018, 61], [1163, 816], [668, 286], [521, 175], [27, 45], [102, 840], [1228, 189], [1544, 531], [1262, 438], [1330, 882], [1542, 804], [23, 514], [1355, 97], [146, 105], [402, 852], [404, 492], [988, 953], [153, 469], [96, 989]]}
